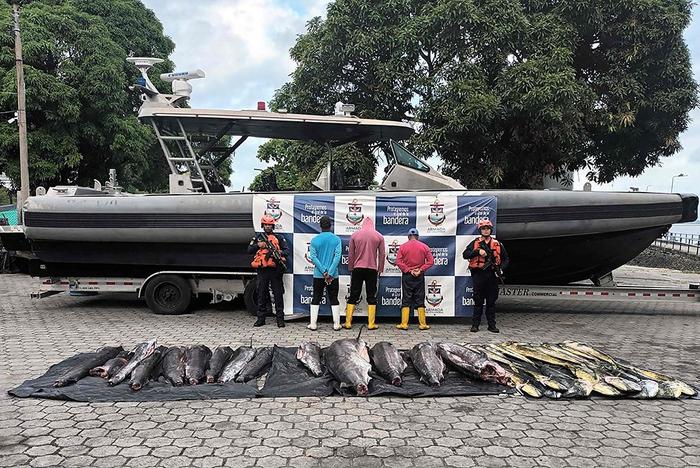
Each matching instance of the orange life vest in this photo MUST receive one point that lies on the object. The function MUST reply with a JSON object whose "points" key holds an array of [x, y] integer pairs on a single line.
{"points": [[263, 258], [478, 262]]}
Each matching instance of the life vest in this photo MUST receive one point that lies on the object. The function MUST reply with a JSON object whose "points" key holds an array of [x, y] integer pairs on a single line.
{"points": [[263, 257], [479, 262]]}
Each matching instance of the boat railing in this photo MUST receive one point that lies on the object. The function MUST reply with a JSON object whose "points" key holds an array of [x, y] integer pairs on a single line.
{"points": [[688, 243]]}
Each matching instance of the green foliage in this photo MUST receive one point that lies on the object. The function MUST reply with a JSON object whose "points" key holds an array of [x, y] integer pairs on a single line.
{"points": [[81, 117], [5, 196], [297, 164], [507, 91]]}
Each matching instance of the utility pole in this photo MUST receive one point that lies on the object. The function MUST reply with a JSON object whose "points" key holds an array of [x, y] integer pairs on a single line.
{"points": [[21, 116]]}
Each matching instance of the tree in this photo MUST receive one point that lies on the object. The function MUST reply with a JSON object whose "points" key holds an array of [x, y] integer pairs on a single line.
{"points": [[81, 116], [507, 91], [297, 164]]}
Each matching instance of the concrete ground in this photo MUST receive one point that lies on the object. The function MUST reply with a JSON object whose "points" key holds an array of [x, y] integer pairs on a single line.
{"points": [[328, 432]]}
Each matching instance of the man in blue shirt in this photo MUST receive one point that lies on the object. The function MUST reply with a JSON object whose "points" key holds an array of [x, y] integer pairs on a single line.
{"points": [[324, 253]]}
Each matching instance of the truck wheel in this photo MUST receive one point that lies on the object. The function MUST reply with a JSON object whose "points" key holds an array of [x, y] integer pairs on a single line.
{"points": [[250, 297], [168, 295]]}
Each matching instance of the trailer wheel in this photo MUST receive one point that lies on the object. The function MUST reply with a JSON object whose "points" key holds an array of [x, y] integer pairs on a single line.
{"points": [[168, 295], [250, 297]]}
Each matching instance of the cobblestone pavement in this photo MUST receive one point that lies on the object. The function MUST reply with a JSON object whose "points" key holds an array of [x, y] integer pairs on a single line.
{"points": [[328, 432]]}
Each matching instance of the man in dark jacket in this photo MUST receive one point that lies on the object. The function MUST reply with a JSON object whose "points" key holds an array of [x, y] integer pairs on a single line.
{"points": [[487, 259], [269, 269]]}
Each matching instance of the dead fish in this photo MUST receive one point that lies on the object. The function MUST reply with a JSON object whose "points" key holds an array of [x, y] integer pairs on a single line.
{"points": [[658, 377], [650, 389], [388, 362], [588, 350], [142, 373], [111, 367], [140, 352], [533, 353], [172, 366], [219, 359], [428, 363], [309, 354], [578, 389], [348, 361], [574, 387], [525, 387], [669, 389], [196, 360], [257, 366], [622, 384], [82, 368], [241, 357], [473, 363]]}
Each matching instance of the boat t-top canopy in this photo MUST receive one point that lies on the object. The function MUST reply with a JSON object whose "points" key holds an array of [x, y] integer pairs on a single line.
{"points": [[196, 142], [264, 124]]}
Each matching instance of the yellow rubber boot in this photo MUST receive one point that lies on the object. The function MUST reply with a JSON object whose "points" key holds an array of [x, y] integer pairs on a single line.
{"points": [[348, 316], [371, 314], [404, 318], [421, 319]]}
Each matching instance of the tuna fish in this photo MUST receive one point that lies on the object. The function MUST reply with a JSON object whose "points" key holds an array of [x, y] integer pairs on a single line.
{"points": [[196, 360], [142, 373], [242, 356], [172, 366], [388, 362], [82, 369], [111, 367], [428, 363], [309, 353], [219, 359], [348, 361], [141, 352], [473, 363], [257, 366]]}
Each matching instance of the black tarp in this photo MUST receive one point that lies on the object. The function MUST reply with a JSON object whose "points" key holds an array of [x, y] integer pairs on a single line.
{"points": [[96, 389], [287, 377]]}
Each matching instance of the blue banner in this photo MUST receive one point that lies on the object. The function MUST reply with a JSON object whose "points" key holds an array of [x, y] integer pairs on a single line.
{"points": [[447, 223]]}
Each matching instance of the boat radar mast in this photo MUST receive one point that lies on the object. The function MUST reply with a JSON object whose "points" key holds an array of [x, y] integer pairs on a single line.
{"points": [[180, 86]]}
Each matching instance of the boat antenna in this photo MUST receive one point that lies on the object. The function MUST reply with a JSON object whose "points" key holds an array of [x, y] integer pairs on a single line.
{"points": [[144, 64]]}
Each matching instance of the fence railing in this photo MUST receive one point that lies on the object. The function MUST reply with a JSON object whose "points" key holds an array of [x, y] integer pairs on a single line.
{"points": [[688, 243]]}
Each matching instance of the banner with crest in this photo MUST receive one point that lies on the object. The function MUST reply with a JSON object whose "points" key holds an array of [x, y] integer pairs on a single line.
{"points": [[446, 222]]}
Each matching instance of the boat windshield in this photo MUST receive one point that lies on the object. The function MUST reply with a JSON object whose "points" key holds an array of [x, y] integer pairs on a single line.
{"points": [[403, 157]]}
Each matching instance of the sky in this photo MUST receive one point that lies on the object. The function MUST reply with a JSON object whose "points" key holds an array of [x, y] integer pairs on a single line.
{"points": [[243, 46]]}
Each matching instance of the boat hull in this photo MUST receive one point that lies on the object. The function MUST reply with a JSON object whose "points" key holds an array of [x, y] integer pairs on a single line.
{"points": [[552, 237]]}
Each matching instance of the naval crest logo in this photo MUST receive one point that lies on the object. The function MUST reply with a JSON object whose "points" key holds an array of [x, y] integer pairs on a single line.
{"points": [[272, 208], [437, 213], [434, 295], [307, 255], [355, 215], [392, 252]]}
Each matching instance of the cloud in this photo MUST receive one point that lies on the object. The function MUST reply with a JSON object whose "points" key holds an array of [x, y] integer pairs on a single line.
{"points": [[243, 47]]}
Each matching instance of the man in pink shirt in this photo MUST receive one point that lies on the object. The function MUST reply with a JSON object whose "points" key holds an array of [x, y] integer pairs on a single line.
{"points": [[366, 263], [413, 259]]}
